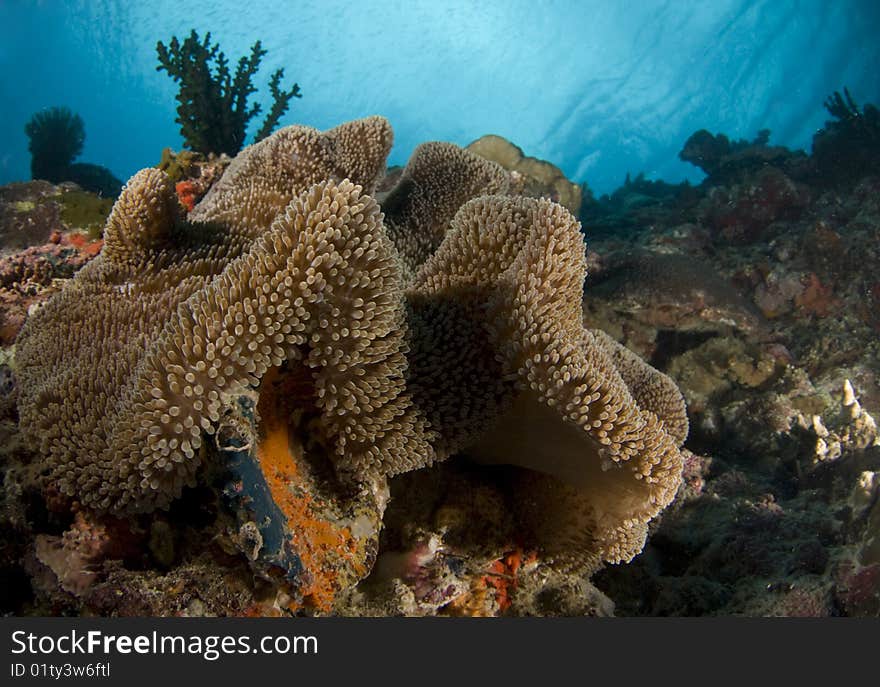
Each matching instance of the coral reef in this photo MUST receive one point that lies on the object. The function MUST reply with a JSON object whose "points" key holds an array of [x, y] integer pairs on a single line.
{"points": [[30, 213], [748, 212], [51, 230], [844, 151], [763, 312], [279, 338], [213, 110], [56, 137], [449, 546], [653, 301], [516, 452], [725, 161]]}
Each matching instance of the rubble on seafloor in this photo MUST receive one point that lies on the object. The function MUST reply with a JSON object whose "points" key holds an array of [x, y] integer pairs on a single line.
{"points": [[756, 292]]}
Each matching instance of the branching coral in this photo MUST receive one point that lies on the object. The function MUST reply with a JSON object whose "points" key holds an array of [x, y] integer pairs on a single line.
{"points": [[844, 109], [847, 148], [213, 112], [458, 328]]}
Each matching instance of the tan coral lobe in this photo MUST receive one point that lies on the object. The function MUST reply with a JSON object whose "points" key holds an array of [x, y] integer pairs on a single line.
{"points": [[558, 400], [438, 179], [264, 177], [540, 178]]}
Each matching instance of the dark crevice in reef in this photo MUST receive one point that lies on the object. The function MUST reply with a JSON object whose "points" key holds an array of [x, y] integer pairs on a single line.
{"points": [[671, 344]]}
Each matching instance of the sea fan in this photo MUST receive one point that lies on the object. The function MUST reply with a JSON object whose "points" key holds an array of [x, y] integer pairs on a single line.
{"points": [[56, 138]]}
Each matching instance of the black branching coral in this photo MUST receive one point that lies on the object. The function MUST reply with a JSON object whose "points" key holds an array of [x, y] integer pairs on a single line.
{"points": [[847, 148], [213, 110], [845, 110]]}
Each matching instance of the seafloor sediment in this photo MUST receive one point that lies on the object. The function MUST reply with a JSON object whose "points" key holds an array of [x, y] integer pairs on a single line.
{"points": [[756, 292]]}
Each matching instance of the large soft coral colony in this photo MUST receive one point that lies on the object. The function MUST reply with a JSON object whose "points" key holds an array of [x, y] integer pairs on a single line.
{"points": [[532, 387], [176, 316], [450, 324]]}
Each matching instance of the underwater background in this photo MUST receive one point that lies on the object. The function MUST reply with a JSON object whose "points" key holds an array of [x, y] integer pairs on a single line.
{"points": [[598, 88], [564, 308]]}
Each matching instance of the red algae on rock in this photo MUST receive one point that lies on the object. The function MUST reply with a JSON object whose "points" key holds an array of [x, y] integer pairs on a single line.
{"points": [[27, 277]]}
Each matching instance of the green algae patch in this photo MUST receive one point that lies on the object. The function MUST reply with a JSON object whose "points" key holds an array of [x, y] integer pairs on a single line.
{"points": [[24, 205], [178, 165], [85, 211]]}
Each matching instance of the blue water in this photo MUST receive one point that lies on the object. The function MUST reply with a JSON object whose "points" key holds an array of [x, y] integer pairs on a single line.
{"points": [[598, 87]]}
